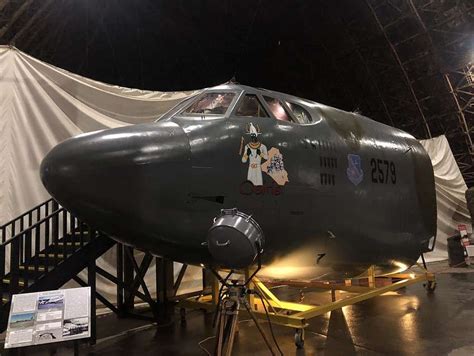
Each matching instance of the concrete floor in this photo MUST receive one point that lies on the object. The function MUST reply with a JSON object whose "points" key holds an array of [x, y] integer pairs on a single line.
{"points": [[409, 321]]}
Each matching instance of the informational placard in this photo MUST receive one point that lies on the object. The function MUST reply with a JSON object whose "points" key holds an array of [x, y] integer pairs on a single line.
{"points": [[52, 316]]}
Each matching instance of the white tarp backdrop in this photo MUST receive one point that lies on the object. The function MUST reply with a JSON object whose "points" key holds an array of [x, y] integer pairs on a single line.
{"points": [[41, 105], [450, 190]]}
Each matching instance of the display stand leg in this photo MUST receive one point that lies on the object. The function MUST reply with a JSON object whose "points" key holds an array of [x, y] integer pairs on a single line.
{"points": [[165, 288], [250, 297], [128, 276], [424, 262], [120, 289], [92, 283], [371, 278], [209, 280], [76, 347]]}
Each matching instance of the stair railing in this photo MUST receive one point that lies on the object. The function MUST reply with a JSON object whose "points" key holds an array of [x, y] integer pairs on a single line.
{"points": [[26, 219], [40, 245]]}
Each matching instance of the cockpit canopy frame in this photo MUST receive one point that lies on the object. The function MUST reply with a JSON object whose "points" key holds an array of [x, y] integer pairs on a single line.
{"points": [[223, 102]]}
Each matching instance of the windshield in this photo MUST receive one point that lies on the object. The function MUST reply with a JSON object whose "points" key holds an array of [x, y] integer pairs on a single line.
{"points": [[300, 113], [211, 104], [250, 106], [277, 109]]}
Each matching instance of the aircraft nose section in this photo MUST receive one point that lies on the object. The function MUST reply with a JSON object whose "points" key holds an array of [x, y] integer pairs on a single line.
{"points": [[67, 163], [130, 171]]}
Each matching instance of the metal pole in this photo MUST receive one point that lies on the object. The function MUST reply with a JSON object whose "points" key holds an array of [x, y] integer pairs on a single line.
{"points": [[76, 348], [371, 277], [128, 281], [400, 64], [92, 283], [120, 294], [165, 286], [460, 112]]}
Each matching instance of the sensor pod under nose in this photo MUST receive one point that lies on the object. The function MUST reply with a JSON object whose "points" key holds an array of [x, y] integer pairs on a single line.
{"points": [[235, 239]]}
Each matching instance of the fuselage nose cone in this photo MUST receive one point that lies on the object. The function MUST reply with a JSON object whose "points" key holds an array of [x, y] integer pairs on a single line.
{"points": [[63, 168], [106, 175], [58, 168]]}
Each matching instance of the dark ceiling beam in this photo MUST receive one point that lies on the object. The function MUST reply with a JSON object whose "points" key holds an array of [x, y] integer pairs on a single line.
{"points": [[46, 46], [465, 130], [402, 68], [54, 41], [89, 40], [39, 27], [30, 22], [15, 17], [461, 112], [369, 72], [3, 3]]}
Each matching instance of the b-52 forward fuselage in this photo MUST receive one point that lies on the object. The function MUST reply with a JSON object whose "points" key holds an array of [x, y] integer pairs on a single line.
{"points": [[349, 191]]}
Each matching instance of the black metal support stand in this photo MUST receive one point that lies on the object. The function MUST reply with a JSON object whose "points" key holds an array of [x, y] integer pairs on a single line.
{"points": [[207, 278], [424, 262], [91, 275], [128, 304], [139, 280], [128, 284], [165, 288], [76, 347], [120, 289]]}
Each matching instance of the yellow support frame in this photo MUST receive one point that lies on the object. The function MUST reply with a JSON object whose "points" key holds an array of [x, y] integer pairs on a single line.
{"points": [[297, 315]]}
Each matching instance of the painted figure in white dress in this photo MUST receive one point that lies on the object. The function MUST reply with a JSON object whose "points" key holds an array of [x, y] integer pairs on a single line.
{"points": [[253, 153]]}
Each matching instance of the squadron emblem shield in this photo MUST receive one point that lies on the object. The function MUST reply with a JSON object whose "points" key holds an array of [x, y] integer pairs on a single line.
{"points": [[354, 169]]}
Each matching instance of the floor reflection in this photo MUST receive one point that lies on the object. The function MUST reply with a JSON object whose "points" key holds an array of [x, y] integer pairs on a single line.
{"points": [[339, 337]]}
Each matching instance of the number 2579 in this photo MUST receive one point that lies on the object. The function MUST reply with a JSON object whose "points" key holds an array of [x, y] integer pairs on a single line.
{"points": [[383, 171]]}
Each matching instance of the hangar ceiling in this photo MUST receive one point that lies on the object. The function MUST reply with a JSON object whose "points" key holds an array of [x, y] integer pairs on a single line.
{"points": [[407, 63]]}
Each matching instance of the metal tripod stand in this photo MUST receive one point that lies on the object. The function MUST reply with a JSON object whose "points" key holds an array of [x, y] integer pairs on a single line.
{"points": [[230, 301], [228, 315]]}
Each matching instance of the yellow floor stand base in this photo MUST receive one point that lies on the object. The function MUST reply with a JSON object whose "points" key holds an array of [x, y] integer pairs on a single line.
{"points": [[297, 315]]}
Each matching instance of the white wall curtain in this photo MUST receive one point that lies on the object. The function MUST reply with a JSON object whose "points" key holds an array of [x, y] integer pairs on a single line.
{"points": [[40, 106], [450, 190]]}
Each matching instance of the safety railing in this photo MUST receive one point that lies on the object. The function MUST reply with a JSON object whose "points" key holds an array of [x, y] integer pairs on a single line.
{"points": [[53, 235], [27, 219]]}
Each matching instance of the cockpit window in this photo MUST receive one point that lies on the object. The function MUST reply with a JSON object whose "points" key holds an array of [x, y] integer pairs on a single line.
{"points": [[211, 104], [277, 109], [301, 114], [249, 105]]}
